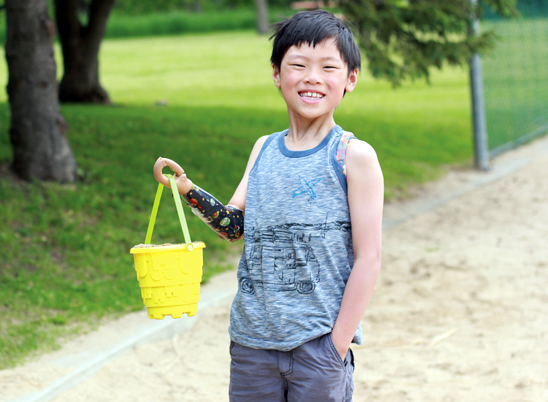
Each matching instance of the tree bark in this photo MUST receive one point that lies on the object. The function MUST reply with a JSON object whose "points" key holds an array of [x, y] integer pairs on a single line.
{"points": [[38, 130], [261, 10], [80, 45]]}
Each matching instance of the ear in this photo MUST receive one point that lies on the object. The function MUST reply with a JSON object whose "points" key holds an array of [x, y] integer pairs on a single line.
{"points": [[352, 81], [276, 76]]}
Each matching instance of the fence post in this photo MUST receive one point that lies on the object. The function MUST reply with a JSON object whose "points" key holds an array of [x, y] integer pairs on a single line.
{"points": [[481, 148]]}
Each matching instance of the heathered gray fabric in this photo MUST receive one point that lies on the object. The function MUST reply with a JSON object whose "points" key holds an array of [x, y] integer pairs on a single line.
{"points": [[298, 247]]}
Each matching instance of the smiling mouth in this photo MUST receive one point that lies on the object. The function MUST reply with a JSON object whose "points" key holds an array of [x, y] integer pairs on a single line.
{"points": [[311, 95]]}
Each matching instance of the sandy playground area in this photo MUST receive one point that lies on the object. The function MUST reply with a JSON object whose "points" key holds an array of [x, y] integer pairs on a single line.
{"points": [[460, 312]]}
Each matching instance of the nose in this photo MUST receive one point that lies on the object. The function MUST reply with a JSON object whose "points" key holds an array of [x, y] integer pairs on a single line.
{"points": [[313, 76]]}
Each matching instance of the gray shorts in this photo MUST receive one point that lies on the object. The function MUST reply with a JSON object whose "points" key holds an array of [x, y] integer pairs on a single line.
{"points": [[312, 372]]}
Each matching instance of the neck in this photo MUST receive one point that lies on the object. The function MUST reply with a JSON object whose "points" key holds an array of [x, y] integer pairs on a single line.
{"points": [[307, 133]]}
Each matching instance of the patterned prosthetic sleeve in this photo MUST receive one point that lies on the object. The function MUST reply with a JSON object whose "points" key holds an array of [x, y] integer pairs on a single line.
{"points": [[227, 222]]}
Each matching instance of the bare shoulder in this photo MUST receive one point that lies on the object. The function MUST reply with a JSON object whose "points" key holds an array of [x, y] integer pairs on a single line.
{"points": [[365, 192], [260, 142], [360, 155], [257, 148]]}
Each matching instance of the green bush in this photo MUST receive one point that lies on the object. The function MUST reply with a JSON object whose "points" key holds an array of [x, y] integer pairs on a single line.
{"points": [[123, 26], [141, 7]]}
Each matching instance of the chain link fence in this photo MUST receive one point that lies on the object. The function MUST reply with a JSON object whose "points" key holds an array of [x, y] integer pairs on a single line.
{"points": [[515, 77]]}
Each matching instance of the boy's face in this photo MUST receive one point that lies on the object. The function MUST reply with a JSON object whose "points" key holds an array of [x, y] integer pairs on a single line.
{"points": [[313, 79]]}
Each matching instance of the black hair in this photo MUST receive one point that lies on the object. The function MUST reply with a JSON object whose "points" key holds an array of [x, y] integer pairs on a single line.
{"points": [[313, 27]]}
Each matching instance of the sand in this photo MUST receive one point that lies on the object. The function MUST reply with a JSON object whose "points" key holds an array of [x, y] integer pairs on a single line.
{"points": [[460, 312]]}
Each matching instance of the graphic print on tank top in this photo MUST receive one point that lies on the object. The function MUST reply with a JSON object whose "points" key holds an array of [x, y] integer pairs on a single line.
{"points": [[307, 187], [283, 257]]}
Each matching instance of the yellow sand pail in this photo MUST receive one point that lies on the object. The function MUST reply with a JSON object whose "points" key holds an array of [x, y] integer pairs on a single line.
{"points": [[169, 275]]}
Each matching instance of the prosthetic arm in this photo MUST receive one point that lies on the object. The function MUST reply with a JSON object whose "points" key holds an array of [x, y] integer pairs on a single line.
{"points": [[226, 221]]}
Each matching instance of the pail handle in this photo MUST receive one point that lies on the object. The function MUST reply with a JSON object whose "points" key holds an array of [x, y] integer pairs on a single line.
{"points": [[178, 204]]}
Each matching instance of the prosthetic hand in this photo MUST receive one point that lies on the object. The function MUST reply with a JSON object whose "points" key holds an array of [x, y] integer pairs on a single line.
{"points": [[226, 221]]}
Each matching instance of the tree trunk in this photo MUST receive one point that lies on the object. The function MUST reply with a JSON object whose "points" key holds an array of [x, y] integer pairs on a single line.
{"points": [[38, 130], [261, 9], [80, 45]]}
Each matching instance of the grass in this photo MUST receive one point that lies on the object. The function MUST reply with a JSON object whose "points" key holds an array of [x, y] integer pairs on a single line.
{"points": [[433, 120], [65, 249]]}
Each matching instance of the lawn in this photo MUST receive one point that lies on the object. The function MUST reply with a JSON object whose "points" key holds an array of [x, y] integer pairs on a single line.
{"points": [[65, 249]]}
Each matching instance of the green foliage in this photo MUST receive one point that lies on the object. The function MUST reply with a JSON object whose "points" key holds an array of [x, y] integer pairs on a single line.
{"points": [[406, 38], [65, 248], [178, 22], [143, 7]]}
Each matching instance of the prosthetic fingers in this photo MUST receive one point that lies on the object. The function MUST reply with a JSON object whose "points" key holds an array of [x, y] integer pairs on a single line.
{"points": [[227, 222]]}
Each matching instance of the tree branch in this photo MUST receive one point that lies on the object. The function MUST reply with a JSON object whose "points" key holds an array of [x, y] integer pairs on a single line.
{"points": [[404, 39]]}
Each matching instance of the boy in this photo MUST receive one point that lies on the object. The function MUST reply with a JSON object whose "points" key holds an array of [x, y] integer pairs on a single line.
{"points": [[312, 196]]}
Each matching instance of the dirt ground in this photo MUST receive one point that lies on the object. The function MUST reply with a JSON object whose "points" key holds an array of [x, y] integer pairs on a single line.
{"points": [[460, 312]]}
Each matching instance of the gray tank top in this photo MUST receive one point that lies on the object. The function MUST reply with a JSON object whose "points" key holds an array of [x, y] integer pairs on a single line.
{"points": [[298, 247]]}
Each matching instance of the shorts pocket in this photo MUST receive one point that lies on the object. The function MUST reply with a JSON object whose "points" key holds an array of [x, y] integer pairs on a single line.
{"points": [[349, 386], [336, 355]]}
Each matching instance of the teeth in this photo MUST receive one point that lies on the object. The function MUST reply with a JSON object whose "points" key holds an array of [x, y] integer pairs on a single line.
{"points": [[312, 95]]}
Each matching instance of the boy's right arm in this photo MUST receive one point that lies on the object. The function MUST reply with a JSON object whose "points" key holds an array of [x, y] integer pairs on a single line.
{"points": [[238, 199], [226, 221]]}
